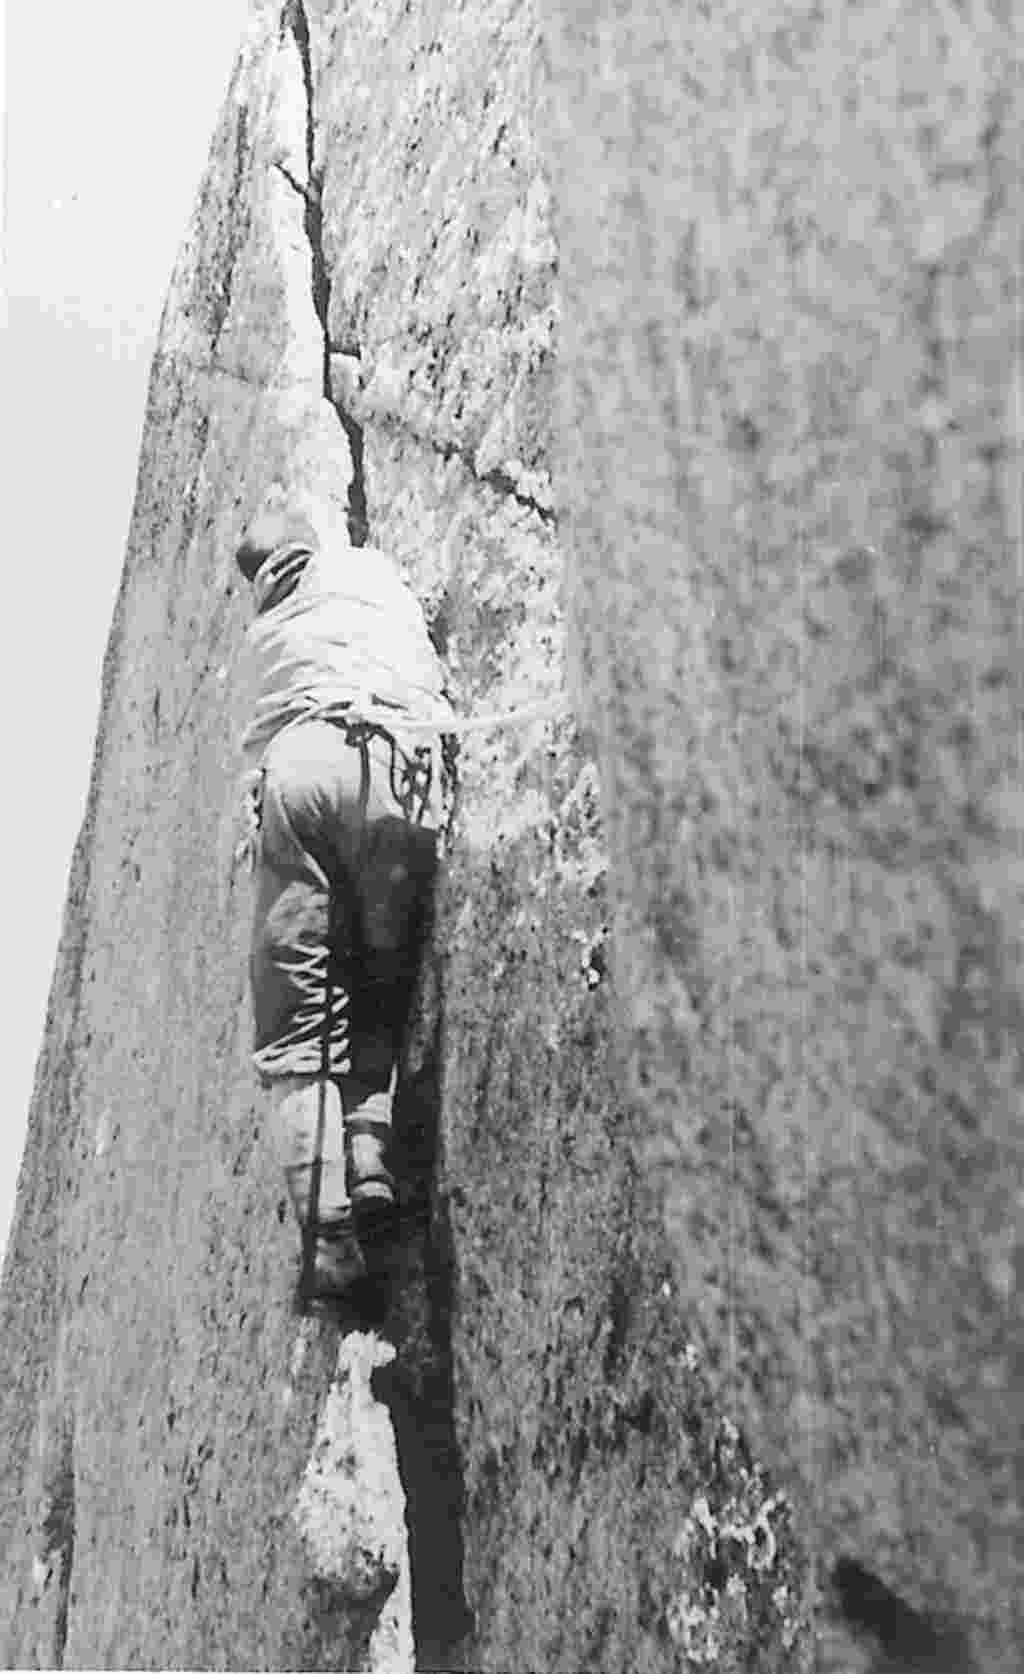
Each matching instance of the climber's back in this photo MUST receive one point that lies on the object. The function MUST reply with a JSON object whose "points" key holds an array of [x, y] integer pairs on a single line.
{"points": [[334, 624]]}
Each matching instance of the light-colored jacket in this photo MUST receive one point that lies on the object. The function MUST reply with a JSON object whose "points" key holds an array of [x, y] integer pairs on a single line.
{"points": [[350, 631]]}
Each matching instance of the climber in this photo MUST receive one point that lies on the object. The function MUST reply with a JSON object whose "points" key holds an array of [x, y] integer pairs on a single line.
{"points": [[347, 809]]}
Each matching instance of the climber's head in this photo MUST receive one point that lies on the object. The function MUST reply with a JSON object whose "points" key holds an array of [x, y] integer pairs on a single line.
{"points": [[277, 528]]}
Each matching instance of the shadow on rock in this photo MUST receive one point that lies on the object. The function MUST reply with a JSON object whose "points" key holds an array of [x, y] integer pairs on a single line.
{"points": [[417, 1385], [907, 1640]]}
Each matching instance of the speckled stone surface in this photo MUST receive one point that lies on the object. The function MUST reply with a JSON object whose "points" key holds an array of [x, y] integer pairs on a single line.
{"points": [[791, 470], [668, 354]]}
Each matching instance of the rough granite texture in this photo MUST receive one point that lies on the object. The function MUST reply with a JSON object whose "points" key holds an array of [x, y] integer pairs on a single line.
{"points": [[670, 350], [791, 458]]}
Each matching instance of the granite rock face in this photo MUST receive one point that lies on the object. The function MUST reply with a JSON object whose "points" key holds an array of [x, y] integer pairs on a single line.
{"points": [[668, 355], [791, 451]]}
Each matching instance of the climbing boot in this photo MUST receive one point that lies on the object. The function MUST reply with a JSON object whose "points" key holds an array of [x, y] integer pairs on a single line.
{"points": [[338, 1261], [370, 1180], [371, 1184]]}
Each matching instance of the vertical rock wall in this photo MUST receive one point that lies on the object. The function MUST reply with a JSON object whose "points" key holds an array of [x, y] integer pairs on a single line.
{"points": [[687, 953], [193, 1475], [172, 1460], [789, 238]]}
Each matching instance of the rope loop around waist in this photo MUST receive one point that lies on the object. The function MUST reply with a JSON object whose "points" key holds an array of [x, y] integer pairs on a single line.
{"points": [[411, 782], [384, 719], [386, 714]]}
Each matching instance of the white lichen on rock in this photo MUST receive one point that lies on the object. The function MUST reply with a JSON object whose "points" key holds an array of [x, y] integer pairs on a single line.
{"points": [[350, 1509]]}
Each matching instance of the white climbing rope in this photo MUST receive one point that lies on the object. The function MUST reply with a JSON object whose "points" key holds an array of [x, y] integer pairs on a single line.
{"points": [[540, 709]]}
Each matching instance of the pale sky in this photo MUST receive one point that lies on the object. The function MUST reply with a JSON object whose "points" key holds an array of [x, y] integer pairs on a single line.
{"points": [[110, 109]]}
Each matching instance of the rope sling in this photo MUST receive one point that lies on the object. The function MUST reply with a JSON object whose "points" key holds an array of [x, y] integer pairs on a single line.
{"points": [[376, 710], [380, 717]]}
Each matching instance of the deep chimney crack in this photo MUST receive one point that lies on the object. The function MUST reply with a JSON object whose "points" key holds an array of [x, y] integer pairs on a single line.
{"points": [[313, 222]]}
